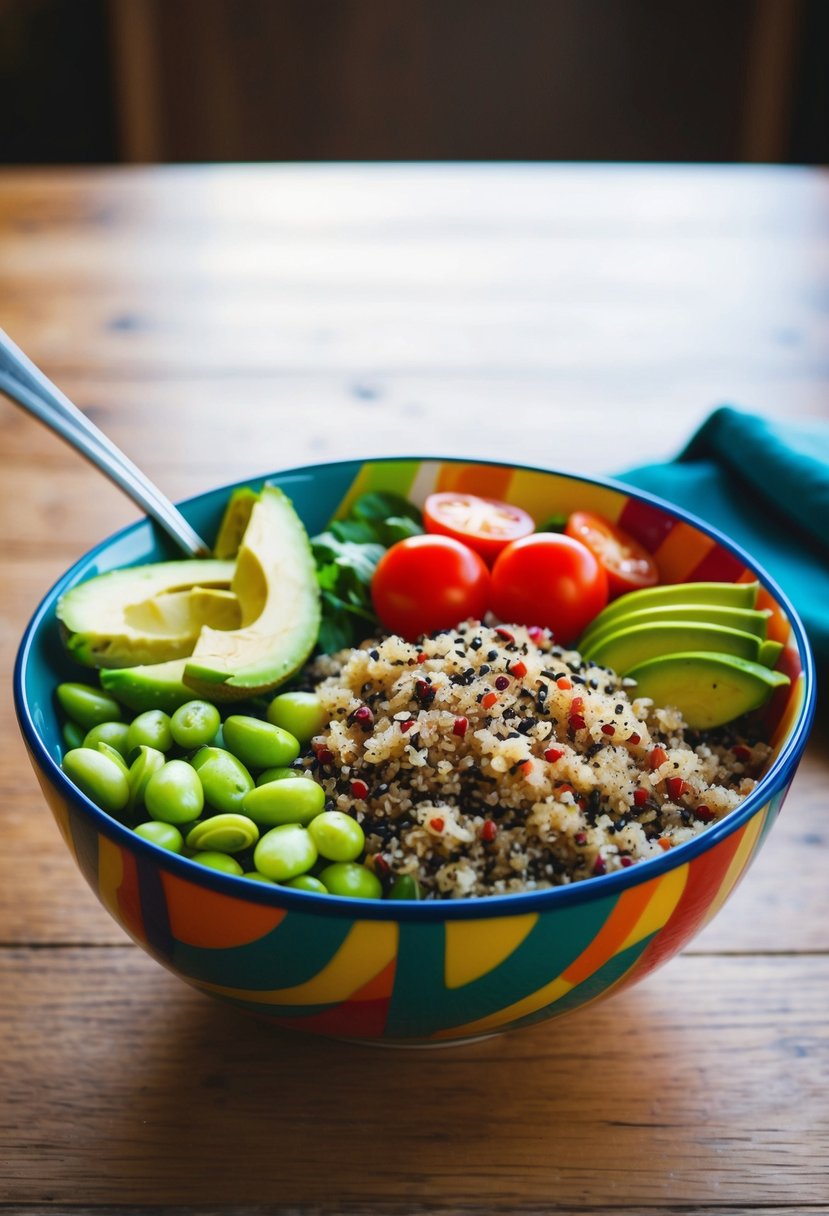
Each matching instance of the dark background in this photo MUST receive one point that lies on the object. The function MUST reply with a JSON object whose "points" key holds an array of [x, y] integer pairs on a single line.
{"points": [[86, 81]]}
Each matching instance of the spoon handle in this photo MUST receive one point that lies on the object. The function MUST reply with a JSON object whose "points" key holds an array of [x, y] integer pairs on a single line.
{"points": [[25, 384]]}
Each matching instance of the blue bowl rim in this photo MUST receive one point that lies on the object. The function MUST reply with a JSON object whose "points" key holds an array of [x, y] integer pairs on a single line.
{"points": [[490, 906]]}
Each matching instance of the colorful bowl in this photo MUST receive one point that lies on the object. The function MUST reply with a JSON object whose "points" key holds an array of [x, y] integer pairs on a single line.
{"points": [[430, 972]]}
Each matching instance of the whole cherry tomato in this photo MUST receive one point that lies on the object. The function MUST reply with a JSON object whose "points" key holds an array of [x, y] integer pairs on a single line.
{"points": [[551, 580], [424, 583]]}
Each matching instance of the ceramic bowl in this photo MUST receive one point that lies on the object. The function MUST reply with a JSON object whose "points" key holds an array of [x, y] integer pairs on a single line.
{"points": [[431, 972]]}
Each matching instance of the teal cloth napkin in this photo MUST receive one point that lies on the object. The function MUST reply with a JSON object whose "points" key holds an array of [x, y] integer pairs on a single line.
{"points": [[765, 484]]}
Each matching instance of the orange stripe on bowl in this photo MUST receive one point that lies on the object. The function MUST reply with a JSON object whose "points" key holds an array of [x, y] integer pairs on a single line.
{"points": [[680, 552], [199, 917], [482, 479]]}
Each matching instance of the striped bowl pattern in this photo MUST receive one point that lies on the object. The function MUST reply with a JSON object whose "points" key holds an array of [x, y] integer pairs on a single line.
{"points": [[432, 972]]}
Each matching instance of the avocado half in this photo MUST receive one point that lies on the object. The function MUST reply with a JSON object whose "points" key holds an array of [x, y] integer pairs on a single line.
{"points": [[708, 689]]}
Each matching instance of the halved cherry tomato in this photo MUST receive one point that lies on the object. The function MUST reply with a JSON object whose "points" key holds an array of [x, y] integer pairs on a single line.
{"points": [[551, 580], [627, 564], [485, 524], [424, 583]]}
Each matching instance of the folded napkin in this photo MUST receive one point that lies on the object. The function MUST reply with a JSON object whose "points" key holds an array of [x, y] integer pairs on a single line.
{"points": [[766, 485]]}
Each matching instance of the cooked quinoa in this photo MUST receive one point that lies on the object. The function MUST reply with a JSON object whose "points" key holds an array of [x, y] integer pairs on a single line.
{"points": [[483, 761]]}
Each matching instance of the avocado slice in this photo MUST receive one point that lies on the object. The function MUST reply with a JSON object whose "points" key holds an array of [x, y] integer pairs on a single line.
{"points": [[148, 686], [708, 689], [234, 522], [634, 644], [276, 584], [731, 595], [749, 620], [146, 614]]}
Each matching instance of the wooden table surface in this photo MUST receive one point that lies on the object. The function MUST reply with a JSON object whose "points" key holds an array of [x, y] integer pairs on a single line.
{"points": [[229, 321]]}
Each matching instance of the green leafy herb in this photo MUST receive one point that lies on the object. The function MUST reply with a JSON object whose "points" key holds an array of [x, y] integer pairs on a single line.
{"points": [[346, 556], [555, 523]]}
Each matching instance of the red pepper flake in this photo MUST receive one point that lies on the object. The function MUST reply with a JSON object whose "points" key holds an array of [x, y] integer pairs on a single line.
{"points": [[608, 729], [519, 670], [323, 753], [489, 830], [552, 754], [407, 725], [436, 824], [640, 797], [421, 658], [564, 683], [577, 722], [363, 716], [676, 787], [380, 866], [634, 739], [489, 699], [460, 727], [664, 844], [582, 804], [564, 788], [580, 838], [359, 788], [535, 634], [577, 705], [527, 767], [657, 757], [599, 865], [505, 634], [705, 814], [741, 753], [625, 861]]}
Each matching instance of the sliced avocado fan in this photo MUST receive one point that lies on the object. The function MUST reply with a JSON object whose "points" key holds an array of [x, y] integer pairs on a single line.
{"points": [[708, 689]]}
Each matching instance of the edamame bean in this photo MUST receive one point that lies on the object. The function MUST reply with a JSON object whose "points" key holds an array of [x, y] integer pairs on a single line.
{"points": [[219, 861], [174, 793], [405, 886], [300, 713], [86, 705], [280, 773], [307, 882], [337, 836], [165, 835], [195, 724], [115, 756], [150, 729], [113, 733], [225, 780], [259, 744], [73, 735], [97, 776], [223, 834], [285, 852], [284, 802], [351, 879], [255, 876], [148, 761]]}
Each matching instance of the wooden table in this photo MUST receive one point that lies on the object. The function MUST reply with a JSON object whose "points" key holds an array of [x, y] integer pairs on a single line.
{"points": [[228, 321]]}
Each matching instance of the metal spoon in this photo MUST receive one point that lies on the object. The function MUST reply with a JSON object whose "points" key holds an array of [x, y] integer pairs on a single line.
{"points": [[27, 386]]}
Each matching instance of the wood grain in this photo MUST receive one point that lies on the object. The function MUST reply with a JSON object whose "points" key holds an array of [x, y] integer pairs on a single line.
{"points": [[220, 323]]}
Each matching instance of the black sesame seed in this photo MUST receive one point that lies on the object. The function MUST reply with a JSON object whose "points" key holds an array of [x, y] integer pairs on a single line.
{"points": [[492, 655], [475, 644]]}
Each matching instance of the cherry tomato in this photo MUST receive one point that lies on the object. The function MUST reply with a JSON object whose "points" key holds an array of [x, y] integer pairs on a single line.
{"points": [[424, 583], [484, 524], [551, 580], [627, 564]]}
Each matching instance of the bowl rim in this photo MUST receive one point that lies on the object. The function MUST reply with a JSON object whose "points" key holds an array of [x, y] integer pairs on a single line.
{"points": [[481, 907]]}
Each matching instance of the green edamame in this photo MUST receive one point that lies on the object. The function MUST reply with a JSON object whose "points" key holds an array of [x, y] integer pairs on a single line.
{"points": [[148, 761], [352, 880], [279, 773], [195, 724], [259, 744], [285, 852], [165, 835], [86, 705], [150, 729], [97, 776], [224, 778], [73, 735], [113, 733], [284, 802], [223, 834], [174, 793], [300, 713], [405, 886], [218, 861], [337, 836], [307, 882]]}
